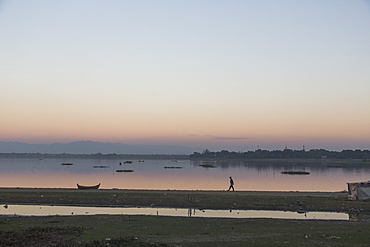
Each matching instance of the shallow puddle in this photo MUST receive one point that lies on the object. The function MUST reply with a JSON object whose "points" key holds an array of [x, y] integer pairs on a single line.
{"points": [[42, 210]]}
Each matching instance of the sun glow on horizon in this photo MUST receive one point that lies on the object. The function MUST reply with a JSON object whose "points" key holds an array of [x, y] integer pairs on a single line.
{"points": [[209, 75]]}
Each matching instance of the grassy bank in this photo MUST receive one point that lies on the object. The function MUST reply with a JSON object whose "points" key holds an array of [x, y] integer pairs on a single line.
{"points": [[312, 201], [124, 230], [182, 231]]}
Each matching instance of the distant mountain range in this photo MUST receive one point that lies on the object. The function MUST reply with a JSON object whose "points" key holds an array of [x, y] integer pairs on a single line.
{"points": [[90, 147]]}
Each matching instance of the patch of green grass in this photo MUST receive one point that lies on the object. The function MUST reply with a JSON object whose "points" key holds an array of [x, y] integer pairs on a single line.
{"points": [[124, 230], [44, 232], [312, 201], [39, 236], [185, 231]]}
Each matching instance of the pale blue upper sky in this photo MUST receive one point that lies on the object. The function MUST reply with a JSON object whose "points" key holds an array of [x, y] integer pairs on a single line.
{"points": [[217, 74]]}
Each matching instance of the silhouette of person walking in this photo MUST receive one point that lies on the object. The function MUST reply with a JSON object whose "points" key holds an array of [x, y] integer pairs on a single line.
{"points": [[231, 184]]}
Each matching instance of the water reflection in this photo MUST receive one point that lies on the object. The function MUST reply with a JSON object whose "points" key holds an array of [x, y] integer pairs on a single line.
{"points": [[194, 175], [42, 210]]}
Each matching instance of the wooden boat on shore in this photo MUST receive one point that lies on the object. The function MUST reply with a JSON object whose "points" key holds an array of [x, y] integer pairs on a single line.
{"points": [[295, 172], [94, 187]]}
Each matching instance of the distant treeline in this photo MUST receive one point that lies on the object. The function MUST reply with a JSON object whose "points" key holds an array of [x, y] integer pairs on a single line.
{"points": [[207, 154], [93, 156], [284, 154]]}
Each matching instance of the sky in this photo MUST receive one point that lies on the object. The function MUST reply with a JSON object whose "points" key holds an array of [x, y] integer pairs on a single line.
{"points": [[218, 74]]}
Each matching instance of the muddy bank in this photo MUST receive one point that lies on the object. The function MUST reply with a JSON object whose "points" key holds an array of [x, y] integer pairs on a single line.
{"points": [[263, 200], [131, 230], [103, 230]]}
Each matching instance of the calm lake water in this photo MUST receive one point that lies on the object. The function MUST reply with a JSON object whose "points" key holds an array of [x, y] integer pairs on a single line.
{"points": [[182, 174]]}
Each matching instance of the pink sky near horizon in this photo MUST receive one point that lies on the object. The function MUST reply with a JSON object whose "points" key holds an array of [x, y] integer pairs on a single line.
{"points": [[210, 74]]}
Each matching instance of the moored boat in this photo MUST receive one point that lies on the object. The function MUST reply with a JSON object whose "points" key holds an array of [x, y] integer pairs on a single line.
{"points": [[67, 164], [94, 187], [295, 172], [124, 170], [208, 166], [101, 166]]}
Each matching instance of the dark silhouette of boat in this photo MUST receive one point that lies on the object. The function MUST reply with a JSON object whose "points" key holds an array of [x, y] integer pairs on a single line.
{"points": [[295, 172], [101, 166], [124, 170], [208, 166], [94, 187], [67, 164]]}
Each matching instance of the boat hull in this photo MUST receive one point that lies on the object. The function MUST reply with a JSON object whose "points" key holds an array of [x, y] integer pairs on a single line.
{"points": [[295, 172], [94, 187]]}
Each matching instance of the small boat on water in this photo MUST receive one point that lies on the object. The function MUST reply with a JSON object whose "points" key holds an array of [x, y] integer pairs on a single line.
{"points": [[334, 166], [124, 170], [173, 167], [101, 166], [295, 172], [94, 187], [67, 164], [208, 166]]}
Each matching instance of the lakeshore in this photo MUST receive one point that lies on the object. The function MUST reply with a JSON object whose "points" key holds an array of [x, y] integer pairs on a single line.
{"points": [[256, 200], [138, 230]]}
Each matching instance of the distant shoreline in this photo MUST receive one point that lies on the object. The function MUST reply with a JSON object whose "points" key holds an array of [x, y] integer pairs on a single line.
{"points": [[224, 155], [175, 157], [95, 156]]}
